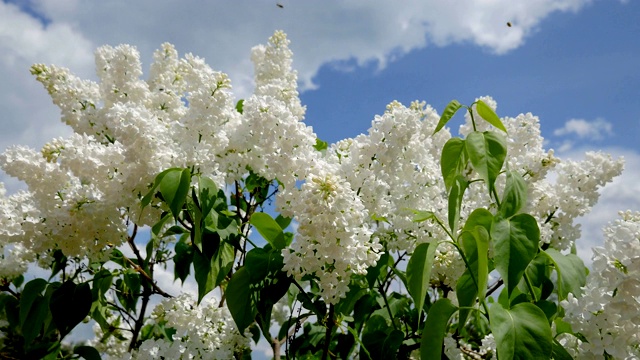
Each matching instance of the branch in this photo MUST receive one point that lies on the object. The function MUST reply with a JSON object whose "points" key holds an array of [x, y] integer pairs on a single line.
{"points": [[327, 336]]}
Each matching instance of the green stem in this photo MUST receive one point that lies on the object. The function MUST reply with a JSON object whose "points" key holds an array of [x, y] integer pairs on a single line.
{"points": [[473, 121], [530, 287], [475, 281]]}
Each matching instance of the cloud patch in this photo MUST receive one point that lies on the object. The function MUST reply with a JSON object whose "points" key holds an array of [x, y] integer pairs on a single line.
{"points": [[588, 130]]}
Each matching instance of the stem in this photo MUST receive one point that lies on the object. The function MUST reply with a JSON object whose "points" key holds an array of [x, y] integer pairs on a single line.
{"points": [[530, 287], [327, 336], [495, 287], [475, 281], [146, 294], [386, 303], [275, 346], [473, 121]]}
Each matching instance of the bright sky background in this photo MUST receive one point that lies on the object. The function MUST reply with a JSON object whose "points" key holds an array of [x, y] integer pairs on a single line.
{"points": [[574, 63]]}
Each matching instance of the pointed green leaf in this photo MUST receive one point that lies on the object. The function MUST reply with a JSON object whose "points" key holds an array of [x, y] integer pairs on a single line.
{"points": [[472, 284], [269, 229], [516, 244], [419, 272], [452, 107], [239, 299], [87, 352], [146, 200], [453, 160], [32, 290], [572, 274], [514, 197], [521, 332], [487, 152], [283, 221], [489, 115], [34, 320], [479, 217], [482, 243], [558, 352], [435, 328], [174, 188], [423, 215], [207, 194], [455, 201], [202, 274], [182, 259], [69, 305]]}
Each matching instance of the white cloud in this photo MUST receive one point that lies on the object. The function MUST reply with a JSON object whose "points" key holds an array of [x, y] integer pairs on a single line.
{"points": [[584, 129]]}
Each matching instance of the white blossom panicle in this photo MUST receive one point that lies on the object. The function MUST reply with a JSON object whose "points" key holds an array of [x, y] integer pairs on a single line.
{"points": [[395, 168], [271, 139], [607, 313], [204, 331], [333, 239]]}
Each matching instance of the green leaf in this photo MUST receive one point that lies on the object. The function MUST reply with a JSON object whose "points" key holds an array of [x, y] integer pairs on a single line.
{"points": [[102, 281], [452, 107], [521, 332], [207, 194], [32, 326], [240, 106], [515, 195], [467, 293], [473, 282], [374, 334], [32, 290], [146, 200], [260, 263], [482, 273], [239, 299], [283, 221], [558, 352], [269, 229], [419, 272], [182, 260], [453, 160], [69, 305], [391, 344], [174, 188], [87, 352], [59, 263], [572, 275], [489, 115], [479, 217], [320, 145], [17, 281], [435, 328], [202, 273], [423, 215], [487, 152], [456, 194], [516, 244], [209, 272]]}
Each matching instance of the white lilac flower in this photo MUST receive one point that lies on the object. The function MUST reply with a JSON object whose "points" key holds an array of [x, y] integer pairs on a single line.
{"points": [[333, 239], [607, 313], [204, 331]]}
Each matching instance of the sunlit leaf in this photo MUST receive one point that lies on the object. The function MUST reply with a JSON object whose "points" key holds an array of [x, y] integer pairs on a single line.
{"points": [[452, 107]]}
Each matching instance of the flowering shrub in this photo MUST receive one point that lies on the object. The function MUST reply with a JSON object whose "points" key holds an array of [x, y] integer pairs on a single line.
{"points": [[400, 243]]}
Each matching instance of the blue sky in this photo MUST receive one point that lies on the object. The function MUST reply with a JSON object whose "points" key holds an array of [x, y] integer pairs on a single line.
{"points": [[573, 63]]}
